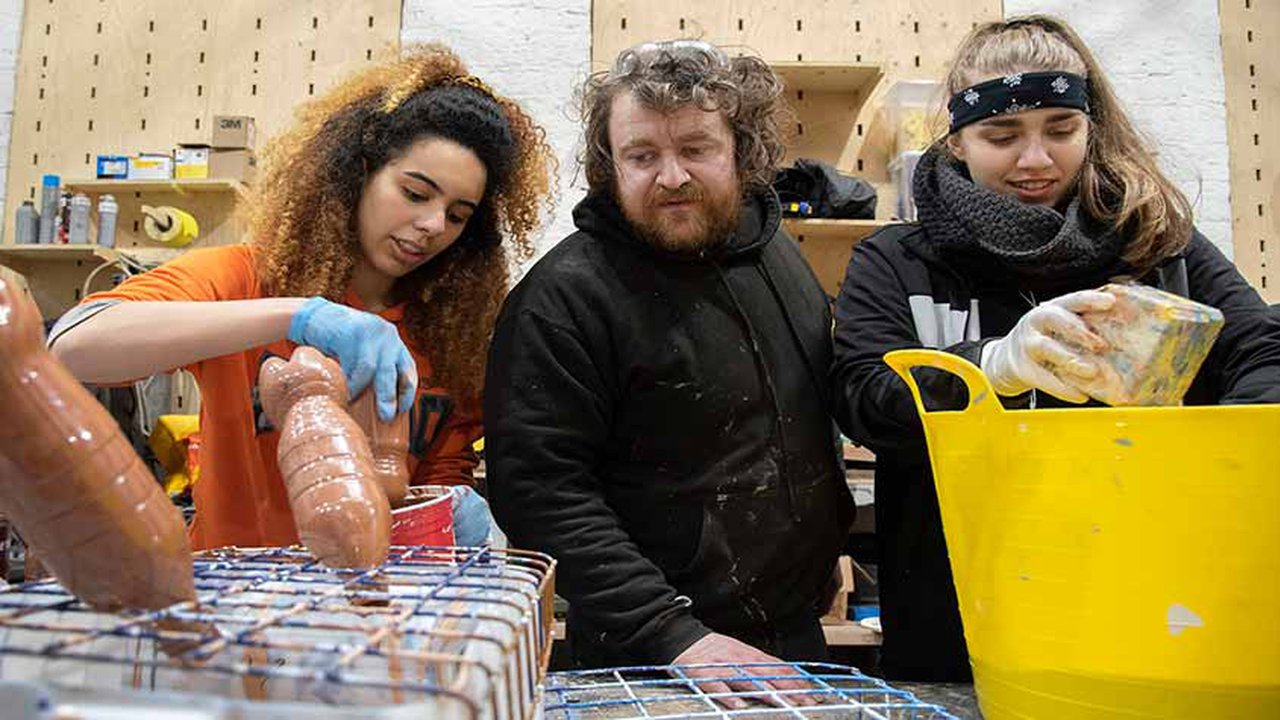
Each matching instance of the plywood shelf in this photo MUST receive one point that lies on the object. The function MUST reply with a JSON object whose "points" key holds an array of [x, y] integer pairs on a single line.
{"points": [[56, 274], [12, 255], [176, 185], [827, 245], [833, 77], [18, 256], [822, 228]]}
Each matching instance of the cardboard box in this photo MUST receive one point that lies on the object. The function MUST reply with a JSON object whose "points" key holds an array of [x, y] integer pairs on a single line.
{"points": [[191, 161], [232, 165], [113, 167], [233, 132], [151, 166]]}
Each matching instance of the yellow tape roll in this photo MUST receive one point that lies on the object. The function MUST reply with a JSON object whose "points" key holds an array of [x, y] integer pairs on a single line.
{"points": [[170, 226]]}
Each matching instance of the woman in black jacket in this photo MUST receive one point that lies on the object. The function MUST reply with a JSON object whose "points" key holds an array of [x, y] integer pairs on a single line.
{"points": [[1040, 193]]}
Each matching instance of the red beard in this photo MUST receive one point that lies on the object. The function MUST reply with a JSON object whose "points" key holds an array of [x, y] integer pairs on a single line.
{"points": [[704, 222]]}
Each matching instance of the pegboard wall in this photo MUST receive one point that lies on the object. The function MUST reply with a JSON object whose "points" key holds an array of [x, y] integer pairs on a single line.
{"points": [[130, 76], [1251, 65], [907, 39]]}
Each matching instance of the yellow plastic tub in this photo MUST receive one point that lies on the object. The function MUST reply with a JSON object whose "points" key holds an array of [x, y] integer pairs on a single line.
{"points": [[1111, 562]]}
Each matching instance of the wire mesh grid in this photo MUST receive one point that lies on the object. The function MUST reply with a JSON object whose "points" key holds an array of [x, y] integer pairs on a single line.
{"points": [[454, 632], [670, 692]]}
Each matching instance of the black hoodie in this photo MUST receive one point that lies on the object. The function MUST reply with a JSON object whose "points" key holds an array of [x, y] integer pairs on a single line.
{"points": [[660, 424]]}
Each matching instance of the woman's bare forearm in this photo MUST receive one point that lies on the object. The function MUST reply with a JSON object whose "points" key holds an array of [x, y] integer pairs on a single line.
{"points": [[132, 340]]}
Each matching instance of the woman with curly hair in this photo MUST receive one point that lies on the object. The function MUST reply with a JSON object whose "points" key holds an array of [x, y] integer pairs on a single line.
{"points": [[382, 234]]}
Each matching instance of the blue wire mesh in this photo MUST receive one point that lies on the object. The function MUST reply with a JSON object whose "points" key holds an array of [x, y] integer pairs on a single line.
{"points": [[470, 627], [670, 692]]}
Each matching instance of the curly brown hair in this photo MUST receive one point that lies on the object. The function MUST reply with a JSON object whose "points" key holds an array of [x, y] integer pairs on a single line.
{"points": [[302, 212], [668, 75]]}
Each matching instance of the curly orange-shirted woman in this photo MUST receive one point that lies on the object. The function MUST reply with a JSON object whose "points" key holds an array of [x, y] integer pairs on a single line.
{"points": [[381, 234]]}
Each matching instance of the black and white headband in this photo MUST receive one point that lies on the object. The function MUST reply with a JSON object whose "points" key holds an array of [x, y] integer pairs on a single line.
{"points": [[1016, 93]]}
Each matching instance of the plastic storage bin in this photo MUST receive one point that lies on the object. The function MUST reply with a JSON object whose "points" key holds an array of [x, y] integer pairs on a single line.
{"points": [[902, 172], [911, 107]]}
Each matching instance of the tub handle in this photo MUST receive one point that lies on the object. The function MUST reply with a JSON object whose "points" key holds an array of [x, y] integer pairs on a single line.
{"points": [[982, 397]]}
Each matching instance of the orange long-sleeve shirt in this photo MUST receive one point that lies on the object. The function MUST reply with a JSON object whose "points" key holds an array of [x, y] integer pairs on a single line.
{"points": [[240, 498]]}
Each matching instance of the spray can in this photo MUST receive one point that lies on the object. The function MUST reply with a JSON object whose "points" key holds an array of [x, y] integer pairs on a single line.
{"points": [[107, 211], [78, 219], [49, 193], [27, 227], [64, 219]]}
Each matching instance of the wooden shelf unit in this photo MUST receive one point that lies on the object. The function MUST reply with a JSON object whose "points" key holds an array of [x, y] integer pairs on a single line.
{"points": [[56, 274], [829, 77], [24, 254], [14, 255], [823, 228], [827, 245], [828, 98]]}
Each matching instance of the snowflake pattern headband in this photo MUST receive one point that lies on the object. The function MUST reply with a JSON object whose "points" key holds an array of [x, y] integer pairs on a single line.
{"points": [[1017, 93]]}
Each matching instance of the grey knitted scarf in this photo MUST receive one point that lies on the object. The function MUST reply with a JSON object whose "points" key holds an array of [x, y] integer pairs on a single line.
{"points": [[1038, 245]]}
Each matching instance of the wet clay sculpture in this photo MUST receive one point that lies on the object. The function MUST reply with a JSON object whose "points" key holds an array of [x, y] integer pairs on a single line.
{"points": [[73, 485], [340, 510], [389, 443]]}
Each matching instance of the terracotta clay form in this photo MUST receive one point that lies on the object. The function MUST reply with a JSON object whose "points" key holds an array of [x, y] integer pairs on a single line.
{"points": [[389, 443], [340, 509], [72, 484]]}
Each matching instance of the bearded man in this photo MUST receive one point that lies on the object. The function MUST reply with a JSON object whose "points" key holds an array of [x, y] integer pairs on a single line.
{"points": [[657, 401]]}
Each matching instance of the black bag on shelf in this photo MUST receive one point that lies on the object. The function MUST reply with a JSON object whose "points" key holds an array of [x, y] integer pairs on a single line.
{"points": [[814, 189]]}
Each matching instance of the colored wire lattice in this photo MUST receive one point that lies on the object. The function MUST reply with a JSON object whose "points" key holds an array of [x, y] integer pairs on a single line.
{"points": [[464, 630], [670, 692]]}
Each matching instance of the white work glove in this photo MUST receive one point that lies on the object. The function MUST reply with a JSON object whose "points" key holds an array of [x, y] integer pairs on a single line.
{"points": [[1049, 349]]}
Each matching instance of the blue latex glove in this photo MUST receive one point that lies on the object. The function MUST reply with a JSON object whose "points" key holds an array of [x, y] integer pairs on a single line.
{"points": [[367, 347], [473, 524]]}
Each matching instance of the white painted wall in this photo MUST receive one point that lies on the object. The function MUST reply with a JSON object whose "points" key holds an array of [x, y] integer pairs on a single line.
{"points": [[1164, 58], [535, 51]]}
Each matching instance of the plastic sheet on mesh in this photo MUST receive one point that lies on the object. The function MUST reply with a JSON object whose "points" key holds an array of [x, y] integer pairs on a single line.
{"points": [[669, 692], [432, 632]]}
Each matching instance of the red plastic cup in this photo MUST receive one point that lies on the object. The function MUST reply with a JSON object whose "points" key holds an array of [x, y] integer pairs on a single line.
{"points": [[426, 519]]}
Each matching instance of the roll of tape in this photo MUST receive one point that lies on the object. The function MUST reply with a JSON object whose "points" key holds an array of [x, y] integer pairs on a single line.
{"points": [[169, 225]]}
